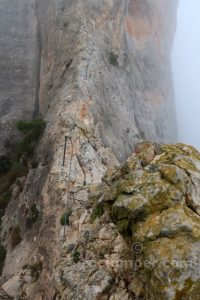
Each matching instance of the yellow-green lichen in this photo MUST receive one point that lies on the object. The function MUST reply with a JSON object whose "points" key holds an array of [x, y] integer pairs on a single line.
{"points": [[130, 207], [189, 150], [123, 226], [186, 164], [181, 294], [131, 183], [168, 223], [157, 201], [172, 149], [176, 176]]}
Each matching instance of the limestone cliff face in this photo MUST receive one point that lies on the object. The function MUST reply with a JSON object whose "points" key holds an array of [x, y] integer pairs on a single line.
{"points": [[98, 72], [115, 54]]}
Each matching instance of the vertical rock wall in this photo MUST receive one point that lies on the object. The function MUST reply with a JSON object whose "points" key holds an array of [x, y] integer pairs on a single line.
{"points": [[98, 72], [118, 53]]}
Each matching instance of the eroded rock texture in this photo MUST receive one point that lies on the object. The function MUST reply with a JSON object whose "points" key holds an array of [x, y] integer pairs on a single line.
{"points": [[98, 72], [155, 197], [115, 54]]}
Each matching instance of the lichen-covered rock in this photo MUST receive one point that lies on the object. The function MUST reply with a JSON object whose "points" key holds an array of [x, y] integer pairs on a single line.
{"points": [[157, 201]]}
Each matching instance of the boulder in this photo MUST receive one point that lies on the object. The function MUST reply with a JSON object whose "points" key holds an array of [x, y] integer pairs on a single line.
{"points": [[156, 202]]}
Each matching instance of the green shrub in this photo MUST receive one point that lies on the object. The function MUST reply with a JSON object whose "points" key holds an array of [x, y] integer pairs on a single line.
{"points": [[24, 148], [97, 212], [15, 236], [113, 59], [37, 126], [76, 257], [65, 218], [12, 168], [2, 258], [32, 131]]}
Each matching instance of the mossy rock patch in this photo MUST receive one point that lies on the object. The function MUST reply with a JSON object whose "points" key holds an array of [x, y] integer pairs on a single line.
{"points": [[155, 200]]}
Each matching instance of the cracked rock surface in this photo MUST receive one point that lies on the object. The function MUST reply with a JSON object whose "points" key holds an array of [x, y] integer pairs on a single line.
{"points": [[114, 53], [154, 197]]}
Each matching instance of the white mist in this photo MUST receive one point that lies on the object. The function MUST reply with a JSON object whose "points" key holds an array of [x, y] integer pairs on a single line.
{"points": [[186, 71]]}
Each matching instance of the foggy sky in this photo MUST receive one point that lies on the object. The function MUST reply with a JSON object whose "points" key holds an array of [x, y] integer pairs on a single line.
{"points": [[186, 71]]}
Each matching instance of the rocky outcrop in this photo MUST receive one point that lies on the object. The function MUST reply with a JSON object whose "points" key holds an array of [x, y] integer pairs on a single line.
{"points": [[155, 198], [102, 79]]}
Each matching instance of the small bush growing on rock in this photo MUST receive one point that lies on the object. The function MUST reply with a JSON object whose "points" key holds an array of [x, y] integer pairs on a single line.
{"points": [[76, 257], [2, 258], [15, 237], [97, 212], [113, 59], [36, 126], [15, 165], [32, 131], [65, 218]]}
